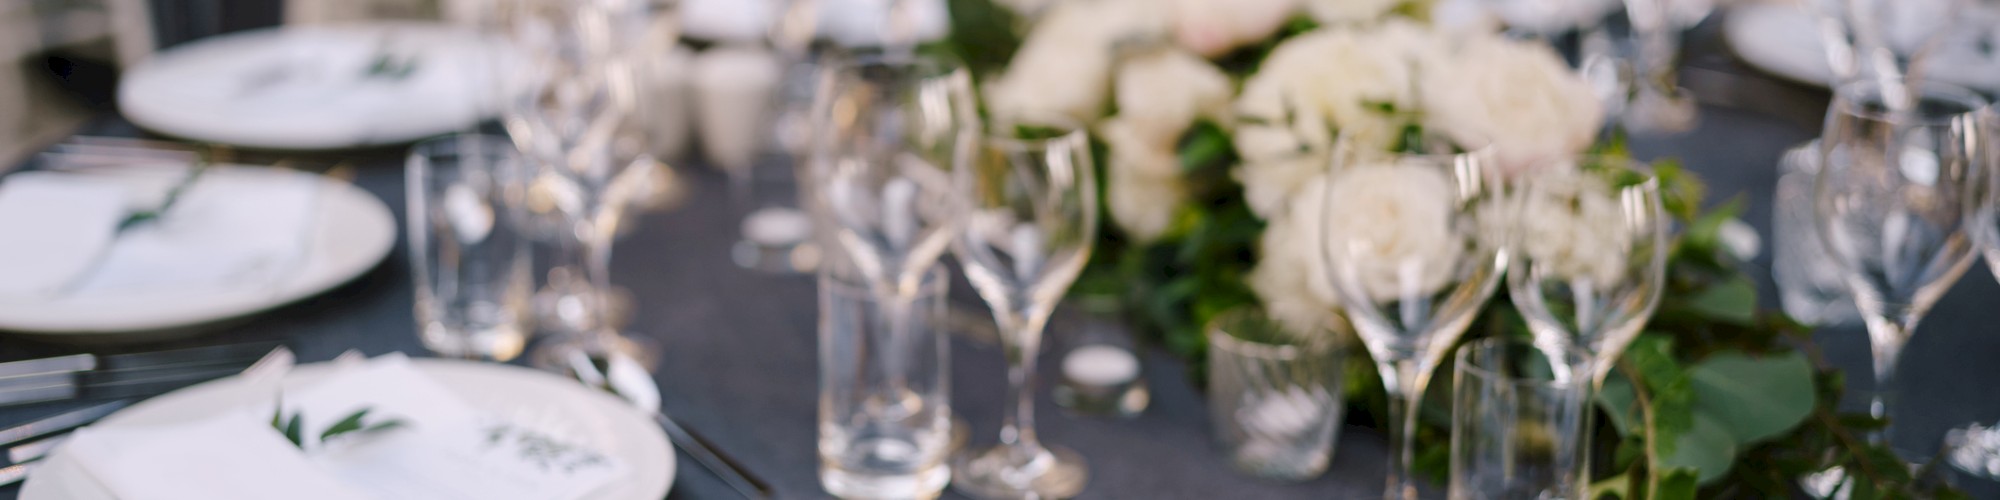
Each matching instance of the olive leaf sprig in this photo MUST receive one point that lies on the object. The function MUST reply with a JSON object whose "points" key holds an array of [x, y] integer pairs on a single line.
{"points": [[293, 427]]}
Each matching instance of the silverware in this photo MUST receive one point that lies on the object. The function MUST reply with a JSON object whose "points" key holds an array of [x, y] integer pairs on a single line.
{"points": [[60, 423], [624, 377], [122, 375], [51, 432]]}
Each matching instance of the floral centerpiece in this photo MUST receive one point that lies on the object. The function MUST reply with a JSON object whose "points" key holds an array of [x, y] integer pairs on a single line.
{"points": [[1217, 120]]}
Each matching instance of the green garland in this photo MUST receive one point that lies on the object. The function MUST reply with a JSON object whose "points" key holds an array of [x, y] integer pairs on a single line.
{"points": [[1717, 398]]}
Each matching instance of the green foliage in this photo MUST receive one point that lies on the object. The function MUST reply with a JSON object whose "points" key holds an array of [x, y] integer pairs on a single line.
{"points": [[294, 428], [1718, 398]]}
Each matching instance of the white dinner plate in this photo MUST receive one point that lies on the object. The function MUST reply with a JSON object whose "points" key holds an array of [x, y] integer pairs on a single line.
{"points": [[1784, 40], [558, 406], [351, 231], [317, 87]]}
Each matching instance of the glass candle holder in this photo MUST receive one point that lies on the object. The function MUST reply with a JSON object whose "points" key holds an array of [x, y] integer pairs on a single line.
{"points": [[1517, 431], [1101, 373], [1274, 395], [472, 265]]}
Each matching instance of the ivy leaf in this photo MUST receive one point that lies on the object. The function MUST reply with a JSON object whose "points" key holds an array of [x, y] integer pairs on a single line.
{"points": [[1755, 399], [1733, 302]]}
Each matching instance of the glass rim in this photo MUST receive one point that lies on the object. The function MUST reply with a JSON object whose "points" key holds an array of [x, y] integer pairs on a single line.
{"points": [[925, 65], [1461, 363], [1074, 133], [1218, 335], [936, 283], [1846, 93], [454, 144]]}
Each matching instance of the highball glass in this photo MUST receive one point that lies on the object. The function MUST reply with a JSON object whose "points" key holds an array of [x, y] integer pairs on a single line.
{"points": [[1518, 430], [884, 401], [471, 263]]}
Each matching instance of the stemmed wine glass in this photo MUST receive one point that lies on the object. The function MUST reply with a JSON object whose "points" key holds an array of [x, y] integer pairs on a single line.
{"points": [[1030, 220], [570, 103], [1896, 189], [1589, 259], [1413, 250]]}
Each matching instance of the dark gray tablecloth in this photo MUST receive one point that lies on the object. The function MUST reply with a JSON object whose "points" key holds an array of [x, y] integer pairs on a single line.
{"points": [[738, 346]]}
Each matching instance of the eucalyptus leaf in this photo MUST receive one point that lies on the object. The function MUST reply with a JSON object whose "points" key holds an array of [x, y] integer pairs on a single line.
{"points": [[295, 430], [1706, 448], [1755, 399], [1733, 302], [1678, 484]]}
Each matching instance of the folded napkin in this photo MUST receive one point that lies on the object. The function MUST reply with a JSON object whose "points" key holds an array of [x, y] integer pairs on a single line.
{"points": [[231, 229], [443, 449], [56, 226]]}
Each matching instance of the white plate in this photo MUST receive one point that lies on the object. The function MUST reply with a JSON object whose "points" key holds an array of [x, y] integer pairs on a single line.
{"points": [[309, 87], [1784, 40], [562, 406], [352, 231]]}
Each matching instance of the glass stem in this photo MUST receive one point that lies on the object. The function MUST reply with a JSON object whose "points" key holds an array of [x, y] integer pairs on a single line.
{"points": [[1885, 342], [1400, 379], [1017, 427], [597, 235]]}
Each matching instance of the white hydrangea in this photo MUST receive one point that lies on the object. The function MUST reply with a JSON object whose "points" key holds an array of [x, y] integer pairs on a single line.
{"points": [[1160, 94], [1353, 81], [1290, 278], [1214, 27], [1064, 66], [1517, 96], [1349, 11]]}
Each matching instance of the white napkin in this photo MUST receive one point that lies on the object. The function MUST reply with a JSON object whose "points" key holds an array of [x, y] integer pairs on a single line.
{"points": [[444, 449], [232, 456], [56, 226], [241, 230]]}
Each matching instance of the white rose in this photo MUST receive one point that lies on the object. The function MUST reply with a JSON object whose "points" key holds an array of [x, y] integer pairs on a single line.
{"points": [[1064, 65], [1290, 278], [1214, 27], [1393, 224], [1518, 96], [1349, 11], [1269, 186], [1570, 225]]}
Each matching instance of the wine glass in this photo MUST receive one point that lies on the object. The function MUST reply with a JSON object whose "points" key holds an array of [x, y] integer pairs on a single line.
{"points": [[1413, 247], [1895, 193], [1030, 219], [1589, 259], [571, 103]]}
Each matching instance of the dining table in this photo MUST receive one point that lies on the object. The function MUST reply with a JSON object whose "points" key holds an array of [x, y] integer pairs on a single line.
{"points": [[737, 347]]}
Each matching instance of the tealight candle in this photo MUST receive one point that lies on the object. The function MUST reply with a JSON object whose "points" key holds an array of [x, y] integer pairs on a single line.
{"points": [[1100, 366], [777, 227]]}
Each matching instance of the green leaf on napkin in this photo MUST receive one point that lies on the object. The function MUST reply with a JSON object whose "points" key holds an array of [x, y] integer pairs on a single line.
{"points": [[353, 424]]}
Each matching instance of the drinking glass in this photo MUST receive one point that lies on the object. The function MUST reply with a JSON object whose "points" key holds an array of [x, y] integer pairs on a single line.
{"points": [[1274, 396], [574, 110], [885, 427], [1589, 259], [1519, 428], [1895, 194], [471, 263], [1030, 198], [1413, 250]]}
